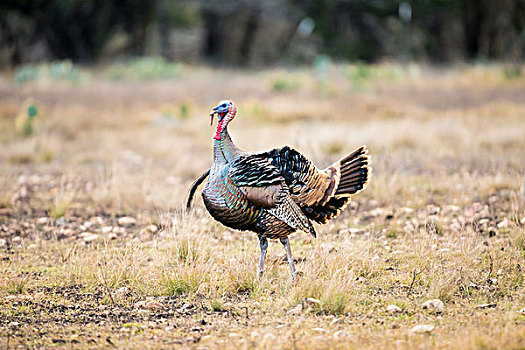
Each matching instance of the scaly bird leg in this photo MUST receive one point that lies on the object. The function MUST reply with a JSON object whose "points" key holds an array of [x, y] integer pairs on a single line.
{"points": [[264, 246], [286, 244]]}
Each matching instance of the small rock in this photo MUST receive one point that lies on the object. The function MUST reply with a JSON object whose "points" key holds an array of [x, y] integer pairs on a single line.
{"points": [[121, 291], [119, 230], [127, 221], [422, 328], [3, 242], [319, 330], [269, 336], [152, 304], [96, 220], [14, 324], [152, 228], [484, 221], [106, 229], [341, 334], [16, 239], [393, 309], [336, 321], [32, 246], [434, 305], [311, 302], [503, 224], [42, 221], [90, 237], [233, 335], [112, 236], [473, 285], [297, 310], [500, 272], [140, 304], [453, 207], [486, 306]]}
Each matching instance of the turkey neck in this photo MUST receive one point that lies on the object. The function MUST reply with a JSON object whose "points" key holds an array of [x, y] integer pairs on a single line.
{"points": [[224, 150]]}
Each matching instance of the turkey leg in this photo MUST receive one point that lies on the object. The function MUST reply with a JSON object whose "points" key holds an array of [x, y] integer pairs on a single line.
{"points": [[286, 243], [264, 246]]}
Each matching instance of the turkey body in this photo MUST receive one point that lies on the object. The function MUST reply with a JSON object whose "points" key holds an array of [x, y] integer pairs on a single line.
{"points": [[277, 192], [229, 204]]}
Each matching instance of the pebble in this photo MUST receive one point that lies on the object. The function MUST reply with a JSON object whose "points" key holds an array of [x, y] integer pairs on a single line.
{"points": [[140, 304], [453, 207], [319, 330], [127, 221], [106, 229], [297, 310], [112, 236], [152, 304], [311, 302], [503, 224], [121, 291], [486, 306], [422, 328], [269, 336], [96, 220], [32, 246], [434, 305], [336, 321], [341, 334], [14, 324], [42, 221], [16, 239], [89, 237], [3, 242], [393, 309], [152, 228]]}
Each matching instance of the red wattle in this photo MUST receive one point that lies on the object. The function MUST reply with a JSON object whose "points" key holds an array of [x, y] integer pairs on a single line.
{"points": [[219, 130]]}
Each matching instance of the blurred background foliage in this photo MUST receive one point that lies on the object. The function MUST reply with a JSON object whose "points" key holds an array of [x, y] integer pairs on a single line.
{"points": [[257, 33]]}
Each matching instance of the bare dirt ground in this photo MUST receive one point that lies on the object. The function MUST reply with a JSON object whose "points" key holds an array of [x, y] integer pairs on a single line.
{"points": [[96, 251]]}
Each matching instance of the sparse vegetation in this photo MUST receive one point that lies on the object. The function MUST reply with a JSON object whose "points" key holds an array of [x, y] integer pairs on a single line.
{"points": [[96, 250]]}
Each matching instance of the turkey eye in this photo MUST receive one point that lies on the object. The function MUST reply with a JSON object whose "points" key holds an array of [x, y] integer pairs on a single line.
{"points": [[224, 105]]}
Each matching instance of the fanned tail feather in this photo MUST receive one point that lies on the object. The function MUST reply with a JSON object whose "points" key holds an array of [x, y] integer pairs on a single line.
{"points": [[355, 172]]}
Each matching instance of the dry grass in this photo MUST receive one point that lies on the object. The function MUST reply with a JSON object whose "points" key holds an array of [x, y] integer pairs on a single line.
{"points": [[443, 217]]}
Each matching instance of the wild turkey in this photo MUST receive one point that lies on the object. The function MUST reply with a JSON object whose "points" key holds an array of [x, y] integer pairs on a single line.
{"points": [[277, 192]]}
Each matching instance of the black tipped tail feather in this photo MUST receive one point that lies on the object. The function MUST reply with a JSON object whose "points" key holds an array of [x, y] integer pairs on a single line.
{"points": [[355, 172]]}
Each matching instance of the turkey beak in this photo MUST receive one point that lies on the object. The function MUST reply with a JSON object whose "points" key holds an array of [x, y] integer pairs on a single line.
{"points": [[212, 114]]}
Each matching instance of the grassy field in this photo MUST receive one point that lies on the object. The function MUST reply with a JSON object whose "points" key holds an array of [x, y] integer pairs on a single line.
{"points": [[96, 251]]}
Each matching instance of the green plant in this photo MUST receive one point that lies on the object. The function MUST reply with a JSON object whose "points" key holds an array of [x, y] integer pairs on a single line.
{"points": [[146, 68]]}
